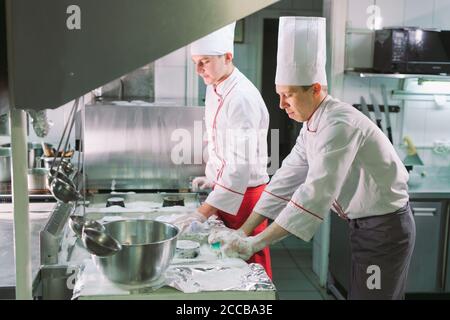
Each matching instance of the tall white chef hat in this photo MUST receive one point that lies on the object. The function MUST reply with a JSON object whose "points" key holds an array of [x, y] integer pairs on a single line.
{"points": [[217, 43], [301, 56]]}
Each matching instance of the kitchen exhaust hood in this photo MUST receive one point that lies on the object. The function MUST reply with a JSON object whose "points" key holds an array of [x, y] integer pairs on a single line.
{"points": [[58, 50]]}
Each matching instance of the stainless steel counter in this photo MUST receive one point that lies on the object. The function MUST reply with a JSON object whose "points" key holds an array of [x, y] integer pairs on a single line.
{"points": [[149, 205], [429, 183], [72, 257], [39, 214]]}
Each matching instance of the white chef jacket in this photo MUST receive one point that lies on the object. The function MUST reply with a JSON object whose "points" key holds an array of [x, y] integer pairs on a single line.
{"points": [[341, 160], [237, 122]]}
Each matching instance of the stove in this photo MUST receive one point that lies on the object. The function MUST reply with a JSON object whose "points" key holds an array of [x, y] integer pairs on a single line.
{"points": [[34, 196], [145, 201], [136, 205]]}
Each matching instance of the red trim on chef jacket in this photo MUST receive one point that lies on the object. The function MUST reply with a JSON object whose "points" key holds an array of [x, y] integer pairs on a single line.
{"points": [[307, 121], [214, 129], [315, 215], [228, 189], [251, 197], [340, 212], [287, 200], [301, 207]]}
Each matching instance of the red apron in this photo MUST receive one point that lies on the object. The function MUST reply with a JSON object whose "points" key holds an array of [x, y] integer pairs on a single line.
{"points": [[251, 197]]}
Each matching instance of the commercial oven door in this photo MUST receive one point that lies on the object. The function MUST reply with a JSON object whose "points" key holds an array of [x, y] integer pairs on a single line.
{"points": [[425, 271]]}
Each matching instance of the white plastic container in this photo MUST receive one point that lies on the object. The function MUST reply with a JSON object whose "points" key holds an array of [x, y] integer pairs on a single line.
{"points": [[187, 249]]}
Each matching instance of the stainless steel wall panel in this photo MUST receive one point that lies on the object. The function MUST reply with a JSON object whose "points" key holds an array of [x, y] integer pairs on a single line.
{"points": [[131, 147]]}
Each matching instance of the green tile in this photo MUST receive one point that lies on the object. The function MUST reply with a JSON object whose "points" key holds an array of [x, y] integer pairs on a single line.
{"points": [[326, 296], [312, 277], [314, 280], [302, 258], [282, 259], [299, 295], [278, 245], [291, 279], [296, 243]]}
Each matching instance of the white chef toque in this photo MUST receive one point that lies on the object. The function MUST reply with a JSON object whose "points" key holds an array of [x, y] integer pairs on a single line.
{"points": [[301, 55], [216, 43]]}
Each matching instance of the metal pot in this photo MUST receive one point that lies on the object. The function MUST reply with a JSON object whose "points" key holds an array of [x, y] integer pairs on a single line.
{"points": [[5, 164], [171, 201], [148, 247], [66, 166], [37, 179], [64, 191], [35, 153]]}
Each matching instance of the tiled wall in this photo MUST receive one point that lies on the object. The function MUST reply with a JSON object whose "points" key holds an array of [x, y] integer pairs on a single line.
{"points": [[425, 14], [170, 75], [422, 120], [58, 118], [171, 71]]}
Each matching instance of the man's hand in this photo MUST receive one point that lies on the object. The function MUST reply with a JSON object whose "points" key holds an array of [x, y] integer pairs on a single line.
{"points": [[185, 220], [235, 243], [201, 183]]}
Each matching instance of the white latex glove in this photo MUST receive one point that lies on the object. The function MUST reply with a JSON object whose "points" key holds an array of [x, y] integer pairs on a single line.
{"points": [[235, 244], [201, 183], [223, 234], [185, 220]]}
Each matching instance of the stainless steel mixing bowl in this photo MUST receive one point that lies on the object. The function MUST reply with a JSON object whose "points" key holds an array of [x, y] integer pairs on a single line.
{"points": [[148, 247]]}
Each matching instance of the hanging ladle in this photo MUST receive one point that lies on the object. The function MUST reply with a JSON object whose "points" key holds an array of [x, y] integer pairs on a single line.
{"points": [[62, 188], [77, 223], [100, 243]]}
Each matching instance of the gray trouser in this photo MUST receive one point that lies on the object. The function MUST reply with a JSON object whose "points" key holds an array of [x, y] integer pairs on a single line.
{"points": [[381, 249]]}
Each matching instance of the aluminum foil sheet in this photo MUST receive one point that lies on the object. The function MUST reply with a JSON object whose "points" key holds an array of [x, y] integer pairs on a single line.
{"points": [[41, 124], [91, 283], [243, 277]]}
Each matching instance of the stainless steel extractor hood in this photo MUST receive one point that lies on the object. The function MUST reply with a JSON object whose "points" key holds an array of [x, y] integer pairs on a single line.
{"points": [[4, 101], [58, 50]]}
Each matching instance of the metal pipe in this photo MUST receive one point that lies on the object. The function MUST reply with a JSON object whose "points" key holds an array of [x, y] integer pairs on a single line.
{"points": [[336, 13], [325, 249], [20, 204]]}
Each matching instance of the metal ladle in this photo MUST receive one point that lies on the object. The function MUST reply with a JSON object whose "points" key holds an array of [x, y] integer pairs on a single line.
{"points": [[61, 186], [100, 243], [67, 167], [64, 191], [77, 223], [52, 173]]}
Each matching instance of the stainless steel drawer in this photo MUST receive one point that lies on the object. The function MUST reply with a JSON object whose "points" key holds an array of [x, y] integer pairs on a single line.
{"points": [[424, 271]]}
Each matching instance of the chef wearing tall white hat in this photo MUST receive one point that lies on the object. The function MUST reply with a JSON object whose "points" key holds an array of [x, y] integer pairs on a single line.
{"points": [[237, 123], [341, 161]]}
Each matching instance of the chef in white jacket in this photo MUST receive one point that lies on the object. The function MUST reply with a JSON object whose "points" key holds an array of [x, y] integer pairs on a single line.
{"points": [[237, 123], [341, 161]]}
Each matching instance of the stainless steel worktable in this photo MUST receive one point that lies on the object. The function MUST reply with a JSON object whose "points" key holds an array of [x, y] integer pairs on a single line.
{"points": [[39, 213]]}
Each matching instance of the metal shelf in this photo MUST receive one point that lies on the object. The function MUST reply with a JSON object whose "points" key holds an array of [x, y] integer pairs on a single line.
{"points": [[392, 109], [362, 73]]}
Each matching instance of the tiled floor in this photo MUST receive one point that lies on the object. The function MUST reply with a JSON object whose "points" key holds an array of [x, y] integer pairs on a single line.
{"points": [[292, 271]]}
